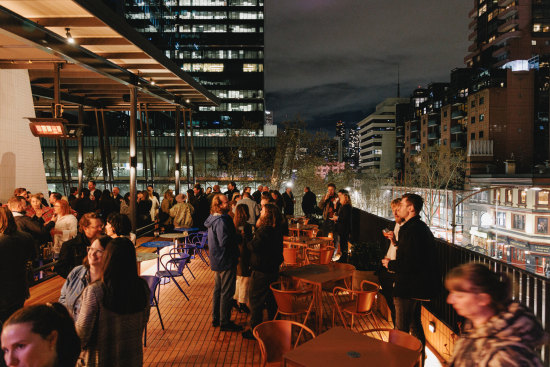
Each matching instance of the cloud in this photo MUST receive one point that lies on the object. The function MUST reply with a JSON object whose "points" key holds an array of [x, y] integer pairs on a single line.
{"points": [[330, 58]]}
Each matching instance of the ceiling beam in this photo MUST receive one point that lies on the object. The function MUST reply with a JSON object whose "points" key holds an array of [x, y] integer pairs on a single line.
{"points": [[47, 93], [124, 55], [93, 41], [69, 22]]}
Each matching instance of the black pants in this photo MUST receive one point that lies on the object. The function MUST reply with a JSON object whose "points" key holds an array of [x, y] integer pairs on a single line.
{"points": [[408, 319], [261, 296], [387, 281]]}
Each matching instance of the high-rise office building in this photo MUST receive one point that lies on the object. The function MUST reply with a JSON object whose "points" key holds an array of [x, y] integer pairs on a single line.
{"points": [[218, 42], [508, 33], [377, 137]]}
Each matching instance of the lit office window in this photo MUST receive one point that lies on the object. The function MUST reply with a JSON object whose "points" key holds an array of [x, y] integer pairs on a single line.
{"points": [[482, 10], [245, 15], [243, 3], [203, 28], [185, 14], [253, 68], [203, 3], [241, 28], [209, 68]]}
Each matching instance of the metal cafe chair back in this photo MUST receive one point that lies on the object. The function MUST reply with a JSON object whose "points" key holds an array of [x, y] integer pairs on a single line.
{"points": [[292, 301], [275, 338], [174, 267], [153, 282], [355, 302]]}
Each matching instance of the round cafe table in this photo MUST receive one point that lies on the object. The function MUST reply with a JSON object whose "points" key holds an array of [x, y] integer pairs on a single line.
{"points": [[157, 245], [182, 229], [144, 256], [173, 236]]}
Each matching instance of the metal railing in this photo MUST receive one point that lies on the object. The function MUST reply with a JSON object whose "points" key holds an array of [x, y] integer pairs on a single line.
{"points": [[44, 272], [530, 289]]}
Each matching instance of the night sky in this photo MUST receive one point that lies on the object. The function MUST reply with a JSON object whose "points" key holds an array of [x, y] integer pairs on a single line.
{"points": [[330, 60]]}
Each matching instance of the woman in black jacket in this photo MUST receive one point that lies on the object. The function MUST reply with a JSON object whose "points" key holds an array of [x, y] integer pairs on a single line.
{"points": [[244, 232], [343, 224], [266, 250]]}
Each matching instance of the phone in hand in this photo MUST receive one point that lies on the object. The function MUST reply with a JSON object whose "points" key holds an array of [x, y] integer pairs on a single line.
{"points": [[385, 230]]}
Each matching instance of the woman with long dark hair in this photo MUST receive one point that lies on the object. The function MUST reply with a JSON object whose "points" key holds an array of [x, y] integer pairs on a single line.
{"points": [[40, 336], [266, 250], [244, 231], [115, 310], [498, 331], [343, 224], [82, 275]]}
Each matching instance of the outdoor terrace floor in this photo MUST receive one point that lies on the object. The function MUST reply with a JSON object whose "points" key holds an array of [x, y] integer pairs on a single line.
{"points": [[189, 338]]}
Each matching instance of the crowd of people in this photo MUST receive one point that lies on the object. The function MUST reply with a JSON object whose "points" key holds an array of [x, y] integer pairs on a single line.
{"points": [[104, 305]]}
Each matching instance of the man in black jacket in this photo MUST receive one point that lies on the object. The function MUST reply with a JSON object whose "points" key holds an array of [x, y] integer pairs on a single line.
{"points": [[288, 201], [202, 208], [75, 250], [415, 267], [231, 190], [40, 233], [309, 202]]}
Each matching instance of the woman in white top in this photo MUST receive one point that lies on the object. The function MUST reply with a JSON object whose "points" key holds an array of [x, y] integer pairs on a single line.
{"points": [[155, 205], [66, 224]]}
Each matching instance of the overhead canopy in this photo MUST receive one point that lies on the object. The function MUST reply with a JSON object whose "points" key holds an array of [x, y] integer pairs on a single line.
{"points": [[107, 57]]}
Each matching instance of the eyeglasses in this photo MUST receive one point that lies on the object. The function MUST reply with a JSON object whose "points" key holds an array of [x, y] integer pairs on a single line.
{"points": [[95, 251]]}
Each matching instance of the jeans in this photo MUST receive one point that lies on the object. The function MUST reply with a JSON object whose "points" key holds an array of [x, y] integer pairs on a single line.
{"points": [[260, 295], [224, 289], [408, 319]]}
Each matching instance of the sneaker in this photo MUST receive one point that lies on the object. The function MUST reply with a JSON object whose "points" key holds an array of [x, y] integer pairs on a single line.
{"points": [[231, 327], [216, 323], [248, 335]]}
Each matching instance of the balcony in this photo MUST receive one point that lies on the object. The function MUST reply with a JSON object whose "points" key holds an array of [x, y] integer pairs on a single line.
{"points": [[399, 144], [473, 13], [457, 130], [457, 145], [473, 47], [504, 3], [413, 152], [458, 114], [500, 51], [473, 24], [472, 36], [433, 136], [470, 57], [508, 12], [399, 133], [506, 36], [414, 140], [433, 122], [414, 129], [509, 24]]}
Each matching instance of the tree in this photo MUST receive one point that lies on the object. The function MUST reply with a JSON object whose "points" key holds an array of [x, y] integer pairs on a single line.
{"points": [[373, 187], [300, 157], [92, 168], [244, 157], [436, 169]]}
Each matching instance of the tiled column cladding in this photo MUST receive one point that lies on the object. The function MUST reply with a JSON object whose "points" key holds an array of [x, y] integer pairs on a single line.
{"points": [[21, 163]]}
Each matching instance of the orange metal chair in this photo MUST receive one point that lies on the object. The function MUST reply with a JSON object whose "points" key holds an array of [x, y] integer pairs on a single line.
{"points": [[275, 338], [396, 337], [292, 301], [321, 256], [327, 241], [355, 302], [291, 256]]}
